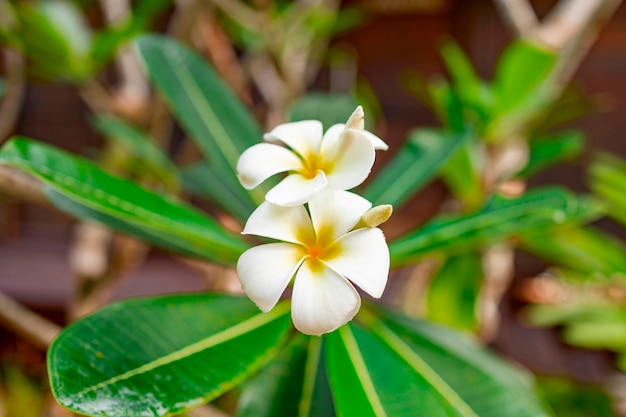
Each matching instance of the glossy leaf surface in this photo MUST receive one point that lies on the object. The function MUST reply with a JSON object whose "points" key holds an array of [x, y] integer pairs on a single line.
{"points": [[401, 367], [419, 160], [161, 356], [500, 219], [83, 189]]}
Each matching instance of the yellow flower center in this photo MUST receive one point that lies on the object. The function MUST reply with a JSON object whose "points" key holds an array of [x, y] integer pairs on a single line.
{"points": [[318, 247]]}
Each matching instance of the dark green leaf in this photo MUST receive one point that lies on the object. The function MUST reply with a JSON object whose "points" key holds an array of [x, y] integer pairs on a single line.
{"points": [[162, 356], [453, 293], [572, 399], [89, 191], [293, 384], [546, 151], [209, 111], [502, 218], [419, 160], [401, 367]]}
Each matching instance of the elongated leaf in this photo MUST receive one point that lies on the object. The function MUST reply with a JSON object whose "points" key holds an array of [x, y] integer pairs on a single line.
{"points": [[138, 144], [400, 367], [161, 356], [549, 150], [208, 110], [586, 250], [501, 219], [419, 160], [462, 174], [123, 205], [453, 293], [293, 384], [607, 178]]}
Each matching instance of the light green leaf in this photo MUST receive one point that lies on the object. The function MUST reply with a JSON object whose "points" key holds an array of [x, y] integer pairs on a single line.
{"points": [[83, 189], [586, 250], [607, 178], [419, 160], [208, 110], [462, 174], [399, 367], [293, 384], [453, 293], [162, 356], [546, 151], [137, 143], [64, 55], [502, 218]]}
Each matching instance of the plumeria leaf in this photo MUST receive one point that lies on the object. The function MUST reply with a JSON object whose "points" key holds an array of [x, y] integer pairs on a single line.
{"points": [[456, 285], [137, 143], [162, 356], [586, 250], [83, 189], [419, 160], [462, 175], [546, 151], [607, 178], [292, 384], [399, 367], [502, 218], [208, 110]]}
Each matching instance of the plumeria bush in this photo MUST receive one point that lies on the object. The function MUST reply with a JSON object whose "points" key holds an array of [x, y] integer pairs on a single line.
{"points": [[316, 329]]}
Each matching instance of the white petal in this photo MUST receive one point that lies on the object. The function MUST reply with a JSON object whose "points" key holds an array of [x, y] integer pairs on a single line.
{"points": [[296, 189], [291, 224], [336, 212], [265, 271], [351, 159], [261, 161], [304, 137], [378, 143], [332, 136], [322, 300], [363, 257]]}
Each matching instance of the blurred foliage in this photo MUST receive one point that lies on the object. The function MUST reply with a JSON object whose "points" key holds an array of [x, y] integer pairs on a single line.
{"points": [[567, 398]]}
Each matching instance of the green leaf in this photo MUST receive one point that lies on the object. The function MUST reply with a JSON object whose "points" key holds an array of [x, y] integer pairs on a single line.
{"points": [[502, 218], [401, 367], [2, 87], [607, 178], [603, 334], [82, 188], [64, 55], [293, 384], [453, 293], [514, 82], [574, 399], [162, 356], [208, 110], [586, 250], [546, 151], [462, 174], [138, 144], [329, 108], [419, 160]]}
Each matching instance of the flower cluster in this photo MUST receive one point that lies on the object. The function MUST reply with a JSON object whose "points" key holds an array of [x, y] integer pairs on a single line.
{"points": [[326, 236]]}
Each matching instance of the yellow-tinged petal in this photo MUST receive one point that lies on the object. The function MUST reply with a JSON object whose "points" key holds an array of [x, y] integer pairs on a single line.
{"points": [[335, 213], [362, 256], [322, 299], [304, 137], [349, 160], [296, 189], [265, 271], [261, 161], [289, 224]]}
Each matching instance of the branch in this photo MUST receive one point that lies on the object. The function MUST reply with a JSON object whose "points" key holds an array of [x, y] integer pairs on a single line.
{"points": [[26, 323], [519, 15], [14, 95], [16, 184]]}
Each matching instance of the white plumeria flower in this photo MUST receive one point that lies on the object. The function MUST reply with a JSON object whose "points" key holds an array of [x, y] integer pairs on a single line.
{"points": [[340, 159], [323, 249]]}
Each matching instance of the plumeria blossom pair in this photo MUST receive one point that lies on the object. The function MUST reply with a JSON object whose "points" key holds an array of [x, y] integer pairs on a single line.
{"points": [[327, 238]]}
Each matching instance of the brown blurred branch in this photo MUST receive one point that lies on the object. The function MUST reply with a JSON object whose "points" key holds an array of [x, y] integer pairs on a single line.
{"points": [[26, 323], [18, 185], [15, 81], [518, 14]]}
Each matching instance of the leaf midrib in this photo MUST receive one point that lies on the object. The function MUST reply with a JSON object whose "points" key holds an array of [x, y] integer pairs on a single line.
{"points": [[230, 333]]}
